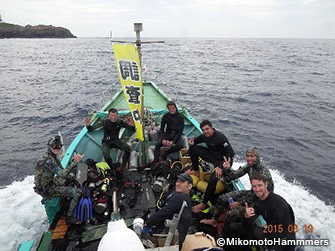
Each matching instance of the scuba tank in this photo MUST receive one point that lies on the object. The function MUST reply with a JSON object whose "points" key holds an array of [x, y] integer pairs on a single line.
{"points": [[159, 184], [119, 156], [150, 153], [146, 134], [133, 160], [162, 173], [185, 141], [100, 204], [153, 134], [157, 128]]}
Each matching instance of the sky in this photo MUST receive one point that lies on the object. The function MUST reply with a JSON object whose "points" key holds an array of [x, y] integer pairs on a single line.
{"points": [[179, 18]]}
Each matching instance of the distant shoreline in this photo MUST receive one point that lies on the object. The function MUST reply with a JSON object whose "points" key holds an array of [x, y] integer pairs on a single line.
{"points": [[8, 30]]}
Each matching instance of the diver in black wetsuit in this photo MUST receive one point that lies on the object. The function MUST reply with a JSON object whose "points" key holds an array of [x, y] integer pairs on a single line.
{"points": [[112, 126], [171, 129], [275, 211], [218, 151], [173, 205]]}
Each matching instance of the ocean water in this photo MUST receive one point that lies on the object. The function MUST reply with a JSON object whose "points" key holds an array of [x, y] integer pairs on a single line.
{"points": [[276, 94]]}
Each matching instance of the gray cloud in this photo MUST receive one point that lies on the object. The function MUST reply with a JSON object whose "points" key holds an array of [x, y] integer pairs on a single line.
{"points": [[196, 18]]}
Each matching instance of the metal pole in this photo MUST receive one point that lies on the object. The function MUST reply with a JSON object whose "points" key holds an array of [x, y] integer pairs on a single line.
{"points": [[138, 27], [173, 224]]}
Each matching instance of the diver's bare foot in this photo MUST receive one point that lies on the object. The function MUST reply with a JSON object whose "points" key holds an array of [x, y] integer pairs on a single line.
{"points": [[198, 208], [211, 222], [196, 173]]}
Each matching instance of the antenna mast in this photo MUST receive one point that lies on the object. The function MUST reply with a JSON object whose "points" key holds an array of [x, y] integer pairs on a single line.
{"points": [[138, 27]]}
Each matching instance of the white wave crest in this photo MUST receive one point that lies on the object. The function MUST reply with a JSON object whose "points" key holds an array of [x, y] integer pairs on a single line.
{"points": [[22, 216]]}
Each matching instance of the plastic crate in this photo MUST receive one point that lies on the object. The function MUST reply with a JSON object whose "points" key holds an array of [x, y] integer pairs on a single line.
{"points": [[183, 156]]}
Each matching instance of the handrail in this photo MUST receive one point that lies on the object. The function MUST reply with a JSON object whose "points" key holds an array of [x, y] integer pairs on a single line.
{"points": [[169, 86], [103, 93]]}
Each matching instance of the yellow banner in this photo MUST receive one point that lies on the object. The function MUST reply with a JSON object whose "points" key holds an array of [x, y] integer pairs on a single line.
{"points": [[130, 74]]}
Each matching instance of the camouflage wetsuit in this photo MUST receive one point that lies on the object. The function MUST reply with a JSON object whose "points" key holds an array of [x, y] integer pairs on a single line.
{"points": [[242, 196], [51, 179], [233, 215]]}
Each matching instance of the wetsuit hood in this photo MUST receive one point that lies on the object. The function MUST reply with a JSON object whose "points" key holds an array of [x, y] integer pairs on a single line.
{"points": [[55, 142], [255, 151]]}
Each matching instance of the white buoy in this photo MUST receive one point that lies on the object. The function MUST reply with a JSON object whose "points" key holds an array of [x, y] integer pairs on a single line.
{"points": [[119, 238]]}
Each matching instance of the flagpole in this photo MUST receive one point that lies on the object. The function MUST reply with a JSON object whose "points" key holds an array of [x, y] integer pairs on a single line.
{"points": [[138, 27]]}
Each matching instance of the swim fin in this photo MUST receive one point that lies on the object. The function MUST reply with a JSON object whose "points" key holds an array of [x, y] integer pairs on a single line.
{"points": [[86, 212], [78, 209], [84, 209]]}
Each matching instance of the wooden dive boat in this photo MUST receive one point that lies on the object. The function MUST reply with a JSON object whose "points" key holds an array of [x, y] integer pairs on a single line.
{"points": [[87, 236]]}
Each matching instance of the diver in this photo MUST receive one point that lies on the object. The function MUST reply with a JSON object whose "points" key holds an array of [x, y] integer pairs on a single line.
{"points": [[112, 126], [173, 205], [253, 166], [218, 151], [276, 212], [52, 180], [172, 126], [237, 199]]}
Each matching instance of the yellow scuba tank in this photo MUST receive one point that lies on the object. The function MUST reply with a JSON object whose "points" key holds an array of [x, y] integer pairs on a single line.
{"points": [[195, 180], [202, 186]]}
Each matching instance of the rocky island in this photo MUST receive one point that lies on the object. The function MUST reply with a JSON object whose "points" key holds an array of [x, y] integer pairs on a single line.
{"points": [[8, 30]]}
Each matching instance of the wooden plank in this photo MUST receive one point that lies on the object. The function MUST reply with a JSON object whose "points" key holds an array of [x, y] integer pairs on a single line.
{"points": [[60, 229]]}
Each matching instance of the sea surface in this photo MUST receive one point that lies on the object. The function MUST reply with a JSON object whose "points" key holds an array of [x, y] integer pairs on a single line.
{"points": [[275, 94]]}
